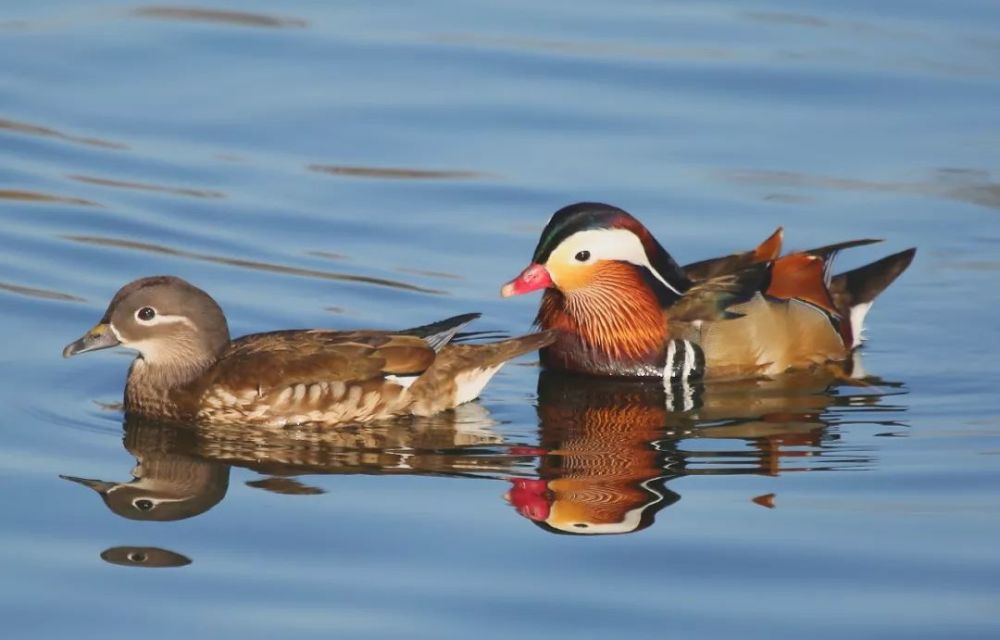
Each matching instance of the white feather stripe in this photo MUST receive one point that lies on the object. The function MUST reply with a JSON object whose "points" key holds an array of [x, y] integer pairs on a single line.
{"points": [[689, 360], [403, 381], [668, 370], [858, 313]]}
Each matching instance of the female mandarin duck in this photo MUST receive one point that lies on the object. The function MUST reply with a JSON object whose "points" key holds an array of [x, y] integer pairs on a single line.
{"points": [[189, 370], [621, 305]]}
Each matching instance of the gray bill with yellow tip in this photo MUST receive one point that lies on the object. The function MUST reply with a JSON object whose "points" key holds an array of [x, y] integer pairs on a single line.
{"points": [[100, 486], [100, 337]]}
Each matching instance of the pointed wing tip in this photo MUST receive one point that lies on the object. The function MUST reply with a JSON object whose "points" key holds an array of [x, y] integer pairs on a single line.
{"points": [[437, 334], [860, 242], [864, 242], [903, 258]]}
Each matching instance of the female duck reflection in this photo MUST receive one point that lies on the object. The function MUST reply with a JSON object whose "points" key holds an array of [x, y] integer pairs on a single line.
{"points": [[606, 450], [183, 470], [608, 447]]}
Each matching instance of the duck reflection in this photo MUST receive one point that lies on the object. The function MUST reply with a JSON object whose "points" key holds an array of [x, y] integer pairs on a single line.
{"points": [[148, 557], [598, 471], [607, 448], [167, 483], [183, 470]]}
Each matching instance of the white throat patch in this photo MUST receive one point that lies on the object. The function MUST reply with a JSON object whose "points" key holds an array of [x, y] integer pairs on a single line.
{"points": [[151, 350]]}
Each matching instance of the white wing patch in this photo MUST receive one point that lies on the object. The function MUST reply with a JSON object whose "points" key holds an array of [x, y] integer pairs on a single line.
{"points": [[403, 381], [469, 384]]}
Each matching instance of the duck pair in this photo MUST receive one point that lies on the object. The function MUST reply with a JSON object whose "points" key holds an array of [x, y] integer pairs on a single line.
{"points": [[615, 303]]}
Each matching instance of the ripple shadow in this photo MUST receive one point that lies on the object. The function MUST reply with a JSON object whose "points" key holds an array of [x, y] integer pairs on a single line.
{"points": [[120, 243]]}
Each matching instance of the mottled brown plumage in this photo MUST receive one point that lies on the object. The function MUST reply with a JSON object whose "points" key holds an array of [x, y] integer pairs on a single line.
{"points": [[189, 370], [183, 470]]}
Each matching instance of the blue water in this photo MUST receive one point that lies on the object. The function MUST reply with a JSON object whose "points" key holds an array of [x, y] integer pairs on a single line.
{"points": [[387, 164]]}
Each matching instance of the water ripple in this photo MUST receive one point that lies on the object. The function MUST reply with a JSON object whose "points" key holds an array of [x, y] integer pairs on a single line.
{"points": [[34, 196], [43, 294], [598, 49], [966, 185], [120, 243], [396, 173], [427, 273], [139, 186], [47, 132], [217, 16]]}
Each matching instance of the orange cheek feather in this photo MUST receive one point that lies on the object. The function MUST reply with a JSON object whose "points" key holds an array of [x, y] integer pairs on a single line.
{"points": [[574, 277], [609, 307]]}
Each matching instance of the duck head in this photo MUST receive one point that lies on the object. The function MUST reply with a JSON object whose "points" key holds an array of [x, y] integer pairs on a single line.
{"points": [[589, 245], [607, 282], [170, 322]]}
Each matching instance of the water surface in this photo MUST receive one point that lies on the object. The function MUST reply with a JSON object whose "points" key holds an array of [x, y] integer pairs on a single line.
{"points": [[385, 165]]}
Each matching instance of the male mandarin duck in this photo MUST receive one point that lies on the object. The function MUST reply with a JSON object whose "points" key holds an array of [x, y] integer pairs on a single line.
{"points": [[621, 305], [188, 369]]}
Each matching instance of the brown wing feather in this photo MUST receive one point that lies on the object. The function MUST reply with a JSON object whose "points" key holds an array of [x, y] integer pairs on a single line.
{"points": [[801, 276], [313, 376], [713, 267], [405, 355], [267, 360], [438, 388]]}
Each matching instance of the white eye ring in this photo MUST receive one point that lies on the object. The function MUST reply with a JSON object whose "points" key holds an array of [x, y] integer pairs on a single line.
{"points": [[145, 315], [144, 504]]}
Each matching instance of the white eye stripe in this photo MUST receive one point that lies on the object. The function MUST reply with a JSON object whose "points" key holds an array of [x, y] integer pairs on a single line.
{"points": [[159, 319], [609, 244]]}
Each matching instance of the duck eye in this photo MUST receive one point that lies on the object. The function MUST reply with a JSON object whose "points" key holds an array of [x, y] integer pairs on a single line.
{"points": [[145, 314], [582, 256], [143, 505]]}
